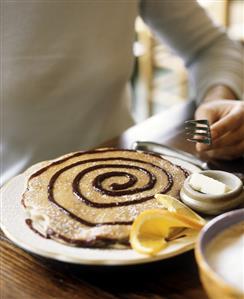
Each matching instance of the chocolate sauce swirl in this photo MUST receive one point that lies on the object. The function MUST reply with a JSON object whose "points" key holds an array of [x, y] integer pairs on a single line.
{"points": [[120, 191], [117, 192], [98, 186], [98, 181]]}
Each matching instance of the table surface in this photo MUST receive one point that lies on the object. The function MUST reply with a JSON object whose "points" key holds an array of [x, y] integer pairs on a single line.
{"points": [[26, 276]]}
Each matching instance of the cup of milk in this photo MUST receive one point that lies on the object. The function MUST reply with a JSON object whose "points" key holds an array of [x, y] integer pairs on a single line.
{"points": [[220, 256]]}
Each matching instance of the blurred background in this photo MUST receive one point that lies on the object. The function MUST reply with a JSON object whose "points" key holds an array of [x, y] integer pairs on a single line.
{"points": [[160, 79]]}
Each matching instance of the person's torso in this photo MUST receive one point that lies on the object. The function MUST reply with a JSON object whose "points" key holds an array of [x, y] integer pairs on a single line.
{"points": [[65, 67]]}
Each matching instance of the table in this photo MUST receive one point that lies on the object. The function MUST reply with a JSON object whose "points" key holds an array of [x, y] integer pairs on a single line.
{"points": [[26, 276]]}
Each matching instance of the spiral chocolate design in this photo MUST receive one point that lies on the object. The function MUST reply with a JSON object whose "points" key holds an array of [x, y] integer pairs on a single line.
{"points": [[98, 180], [101, 188]]}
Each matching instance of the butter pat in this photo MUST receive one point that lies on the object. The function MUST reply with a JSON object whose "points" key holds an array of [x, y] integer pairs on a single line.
{"points": [[207, 185]]}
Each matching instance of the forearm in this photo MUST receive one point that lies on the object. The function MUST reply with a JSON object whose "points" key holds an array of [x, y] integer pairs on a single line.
{"points": [[218, 92], [220, 65], [210, 56]]}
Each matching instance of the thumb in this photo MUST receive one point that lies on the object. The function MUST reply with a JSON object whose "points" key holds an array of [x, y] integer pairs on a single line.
{"points": [[205, 112]]}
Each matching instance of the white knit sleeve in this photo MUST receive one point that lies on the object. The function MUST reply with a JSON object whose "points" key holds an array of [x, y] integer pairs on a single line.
{"points": [[209, 54]]}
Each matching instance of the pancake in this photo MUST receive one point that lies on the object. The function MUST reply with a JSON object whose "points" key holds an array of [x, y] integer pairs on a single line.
{"points": [[90, 199]]}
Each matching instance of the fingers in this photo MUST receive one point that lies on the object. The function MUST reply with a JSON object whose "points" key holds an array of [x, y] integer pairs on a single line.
{"points": [[226, 140], [229, 122], [227, 127], [229, 139], [227, 153]]}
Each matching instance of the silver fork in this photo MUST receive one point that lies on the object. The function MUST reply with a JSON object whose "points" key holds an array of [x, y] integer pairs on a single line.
{"points": [[198, 131]]}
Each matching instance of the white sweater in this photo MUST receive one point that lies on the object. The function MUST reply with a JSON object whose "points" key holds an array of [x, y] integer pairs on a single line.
{"points": [[65, 65]]}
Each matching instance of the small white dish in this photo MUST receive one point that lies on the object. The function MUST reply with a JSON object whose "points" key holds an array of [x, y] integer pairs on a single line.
{"points": [[214, 204]]}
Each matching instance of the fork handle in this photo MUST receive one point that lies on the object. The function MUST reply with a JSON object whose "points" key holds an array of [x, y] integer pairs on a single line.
{"points": [[166, 150]]}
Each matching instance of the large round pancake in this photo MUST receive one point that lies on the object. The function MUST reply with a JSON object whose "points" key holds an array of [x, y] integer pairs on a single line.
{"points": [[91, 198]]}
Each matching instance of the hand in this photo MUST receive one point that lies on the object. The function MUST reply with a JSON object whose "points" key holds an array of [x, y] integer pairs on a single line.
{"points": [[226, 118]]}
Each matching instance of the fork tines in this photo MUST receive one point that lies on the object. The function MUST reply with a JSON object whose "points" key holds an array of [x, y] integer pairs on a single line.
{"points": [[198, 131]]}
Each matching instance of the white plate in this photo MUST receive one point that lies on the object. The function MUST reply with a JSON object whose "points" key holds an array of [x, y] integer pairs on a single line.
{"points": [[13, 225]]}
